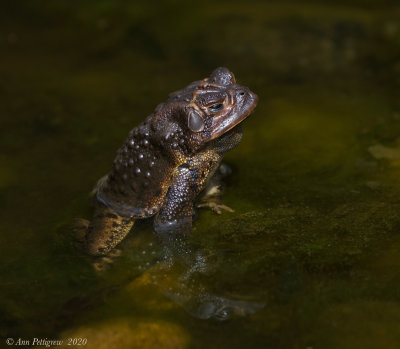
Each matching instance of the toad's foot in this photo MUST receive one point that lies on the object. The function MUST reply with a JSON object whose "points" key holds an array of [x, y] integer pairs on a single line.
{"points": [[216, 207], [211, 196]]}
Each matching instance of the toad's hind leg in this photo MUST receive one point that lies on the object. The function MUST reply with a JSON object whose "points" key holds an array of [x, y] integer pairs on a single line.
{"points": [[106, 230]]}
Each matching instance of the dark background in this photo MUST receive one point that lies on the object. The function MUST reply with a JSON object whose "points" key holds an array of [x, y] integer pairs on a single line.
{"points": [[315, 233]]}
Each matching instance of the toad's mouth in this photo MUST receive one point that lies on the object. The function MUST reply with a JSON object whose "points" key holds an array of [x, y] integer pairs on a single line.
{"points": [[226, 123]]}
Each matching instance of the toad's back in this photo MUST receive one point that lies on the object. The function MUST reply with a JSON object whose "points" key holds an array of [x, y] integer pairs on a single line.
{"points": [[137, 184]]}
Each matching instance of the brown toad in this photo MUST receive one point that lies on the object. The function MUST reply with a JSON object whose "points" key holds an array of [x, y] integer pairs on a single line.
{"points": [[169, 160]]}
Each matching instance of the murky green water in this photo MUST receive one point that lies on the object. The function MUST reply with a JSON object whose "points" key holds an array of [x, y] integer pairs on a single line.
{"points": [[316, 231]]}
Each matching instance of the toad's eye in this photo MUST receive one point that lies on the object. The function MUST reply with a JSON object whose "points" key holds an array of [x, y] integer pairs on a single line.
{"points": [[215, 108]]}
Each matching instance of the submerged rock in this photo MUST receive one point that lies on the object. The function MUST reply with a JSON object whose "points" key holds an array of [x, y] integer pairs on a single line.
{"points": [[130, 333], [378, 151]]}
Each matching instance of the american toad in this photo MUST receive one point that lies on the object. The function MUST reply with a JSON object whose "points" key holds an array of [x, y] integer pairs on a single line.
{"points": [[169, 160]]}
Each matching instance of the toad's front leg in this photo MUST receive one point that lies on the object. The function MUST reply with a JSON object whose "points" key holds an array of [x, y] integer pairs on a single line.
{"points": [[175, 216]]}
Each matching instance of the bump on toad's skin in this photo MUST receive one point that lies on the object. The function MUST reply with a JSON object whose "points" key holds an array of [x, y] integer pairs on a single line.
{"points": [[167, 161]]}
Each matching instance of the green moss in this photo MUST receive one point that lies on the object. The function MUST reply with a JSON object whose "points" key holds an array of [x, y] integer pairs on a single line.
{"points": [[315, 182]]}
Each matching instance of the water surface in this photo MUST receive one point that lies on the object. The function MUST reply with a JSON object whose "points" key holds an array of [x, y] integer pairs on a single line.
{"points": [[315, 188]]}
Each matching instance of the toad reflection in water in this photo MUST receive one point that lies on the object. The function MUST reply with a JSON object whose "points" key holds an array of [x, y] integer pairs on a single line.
{"points": [[168, 165]]}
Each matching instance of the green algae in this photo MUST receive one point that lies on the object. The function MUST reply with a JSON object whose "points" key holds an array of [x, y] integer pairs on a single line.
{"points": [[315, 232]]}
